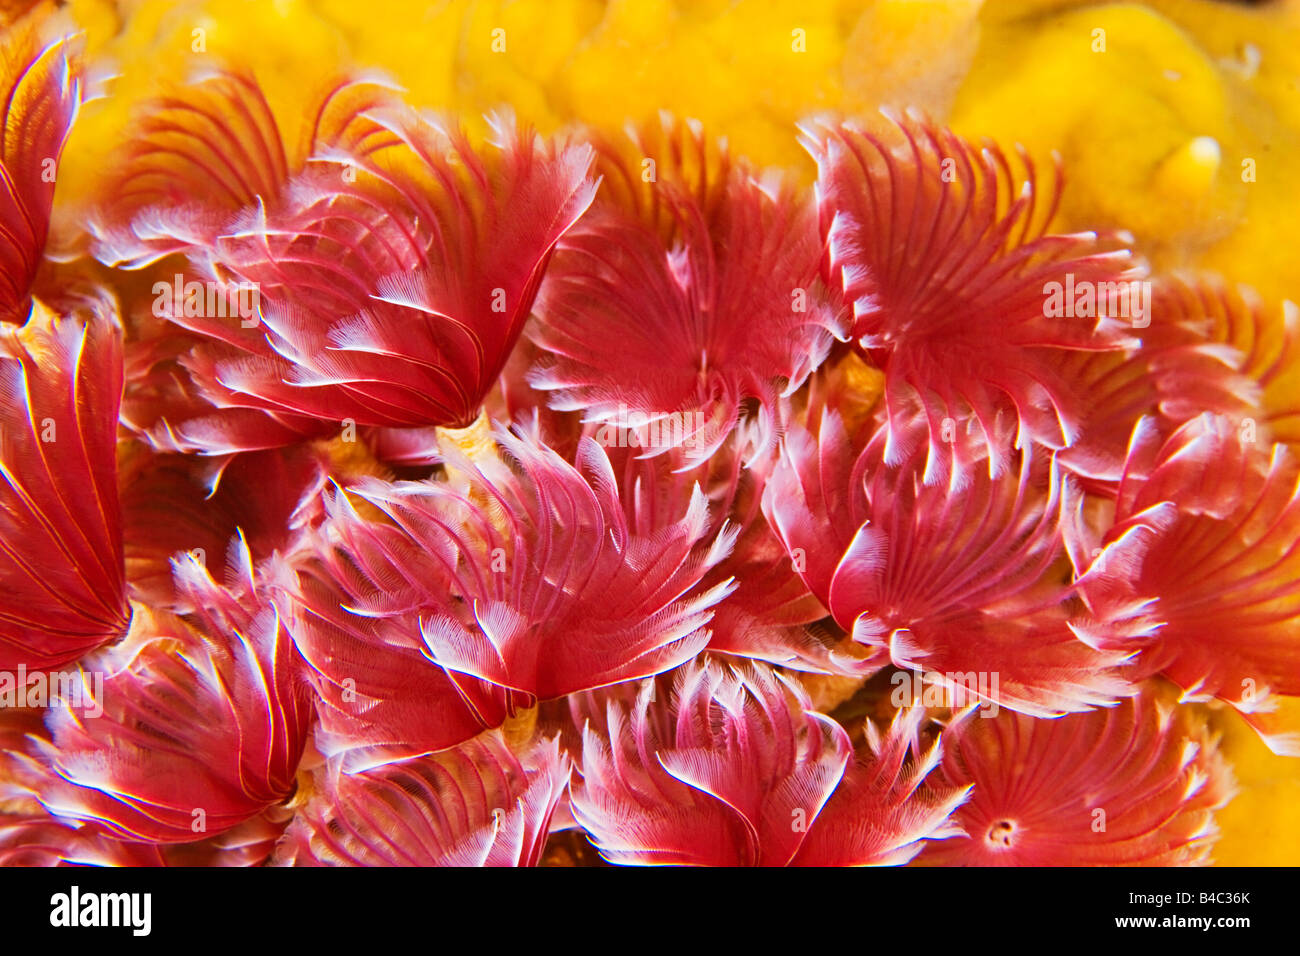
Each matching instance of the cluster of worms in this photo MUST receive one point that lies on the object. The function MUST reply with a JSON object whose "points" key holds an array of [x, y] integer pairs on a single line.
{"points": [[391, 494]]}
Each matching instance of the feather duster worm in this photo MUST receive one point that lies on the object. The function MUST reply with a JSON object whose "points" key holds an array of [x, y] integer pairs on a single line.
{"points": [[1133, 785], [943, 251], [770, 614], [705, 276], [42, 91], [203, 725], [943, 579], [172, 503], [579, 600], [250, 843], [199, 162], [447, 607], [479, 804], [379, 696], [1200, 570], [60, 518], [201, 155], [388, 293], [1187, 364], [1266, 336], [388, 265], [42, 840], [30, 836], [736, 769], [890, 804]]}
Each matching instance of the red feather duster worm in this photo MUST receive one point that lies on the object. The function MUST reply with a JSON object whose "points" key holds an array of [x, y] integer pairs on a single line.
{"points": [[60, 518], [441, 607], [200, 161], [705, 276], [479, 804], [31, 836], [198, 156], [943, 251], [203, 720], [41, 840], [395, 290], [430, 314], [382, 284], [1133, 785], [770, 614], [950, 580], [266, 501], [1191, 360], [42, 89], [379, 696], [1200, 570], [1266, 337], [736, 769]]}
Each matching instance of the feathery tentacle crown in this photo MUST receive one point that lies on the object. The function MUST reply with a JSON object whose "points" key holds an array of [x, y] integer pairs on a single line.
{"points": [[959, 290]]}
